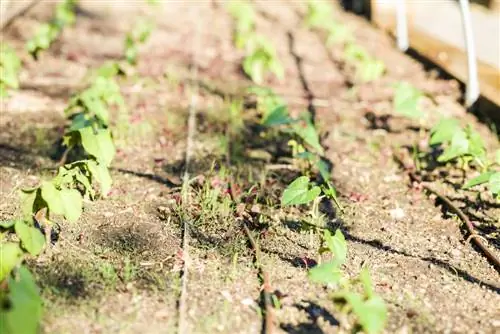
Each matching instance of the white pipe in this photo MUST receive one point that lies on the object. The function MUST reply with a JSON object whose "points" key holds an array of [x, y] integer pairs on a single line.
{"points": [[401, 25], [472, 88]]}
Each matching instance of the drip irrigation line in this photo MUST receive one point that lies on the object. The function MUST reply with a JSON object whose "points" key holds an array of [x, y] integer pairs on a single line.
{"points": [[473, 236], [182, 304]]}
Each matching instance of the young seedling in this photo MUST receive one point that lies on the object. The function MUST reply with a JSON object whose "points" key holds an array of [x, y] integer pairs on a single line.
{"points": [[244, 15], [10, 66], [367, 68], [460, 143], [47, 33], [137, 36], [489, 176], [407, 100], [320, 16], [262, 58], [367, 307]]}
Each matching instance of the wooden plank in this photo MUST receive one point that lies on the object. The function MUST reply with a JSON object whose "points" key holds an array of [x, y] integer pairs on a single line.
{"points": [[449, 57]]}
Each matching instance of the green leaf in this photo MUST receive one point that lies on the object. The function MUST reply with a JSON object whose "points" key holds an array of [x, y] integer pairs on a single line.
{"points": [[298, 192], [476, 143], [337, 246], [28, 198], [366, 280], [324, 169], [73, 204], [483, 178], [371, 314], [494, 183], [309, 135], [31, 238], [443, 131], [24, 310], [101, 173], [326, 273], [52, 196], [6, 224], [278, 116], [67, 202], [459, 146], [406, 101], [10, 256], [98, 144]]}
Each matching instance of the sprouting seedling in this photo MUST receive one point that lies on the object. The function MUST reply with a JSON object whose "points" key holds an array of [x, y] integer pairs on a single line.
{"points": [[262, 58], [406, 100], [138, 35], [367, 67], [47, 33], [464, 144], [20, 304], [320, 16], [489, 176], [244, 15], [369, 308], [9, 70]]}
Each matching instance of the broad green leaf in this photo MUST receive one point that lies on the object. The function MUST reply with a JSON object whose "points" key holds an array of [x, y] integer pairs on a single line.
{"points": [[459, 146], [10, 256], [371, 313], [443, 131], [67, 202], [79, 121], [298, 192], [483, 178], [24, 310], [337, 245], [406, 101], [94, 104], [7, 224], [73, 203], [101, 173], [52, 196], [494, 183], [476, 143], [98, 144], [497, 159], [31, 238], [28, 197], [278, 116], [308, 133], [326, 273]]}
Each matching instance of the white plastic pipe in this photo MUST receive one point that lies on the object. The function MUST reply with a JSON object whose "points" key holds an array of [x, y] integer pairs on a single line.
{"points": [[401, 26], [472, 88]]}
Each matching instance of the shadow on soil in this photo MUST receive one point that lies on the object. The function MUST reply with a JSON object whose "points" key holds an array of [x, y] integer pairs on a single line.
{"points": [[314, 312], [442, 264]]}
